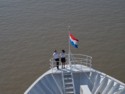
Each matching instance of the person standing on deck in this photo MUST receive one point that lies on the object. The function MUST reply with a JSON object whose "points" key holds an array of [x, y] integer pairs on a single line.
{"points": [[63, 59], [56, 58]]}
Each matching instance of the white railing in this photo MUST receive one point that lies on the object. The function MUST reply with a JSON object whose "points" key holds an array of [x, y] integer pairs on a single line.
{"points": [[74, 59]]}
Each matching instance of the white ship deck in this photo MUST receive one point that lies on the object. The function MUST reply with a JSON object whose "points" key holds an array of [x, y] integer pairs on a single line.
{"points": [[76, 79]]}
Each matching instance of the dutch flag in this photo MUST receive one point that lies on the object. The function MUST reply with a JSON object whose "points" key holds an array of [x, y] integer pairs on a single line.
{"points": [[73, 41]]}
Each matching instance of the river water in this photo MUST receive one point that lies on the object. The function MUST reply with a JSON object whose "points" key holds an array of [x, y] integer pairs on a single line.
{"points": [[30, 30]]}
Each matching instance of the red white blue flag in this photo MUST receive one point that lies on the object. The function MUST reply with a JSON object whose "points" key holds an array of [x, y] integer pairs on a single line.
{"points": [[73, 41]]}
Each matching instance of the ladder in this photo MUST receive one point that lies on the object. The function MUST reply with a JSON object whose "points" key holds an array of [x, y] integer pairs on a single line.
{"points": [[68, 82]]}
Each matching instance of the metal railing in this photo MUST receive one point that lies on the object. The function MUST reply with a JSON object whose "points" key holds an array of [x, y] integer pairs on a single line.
{"points": [[74, 59]]}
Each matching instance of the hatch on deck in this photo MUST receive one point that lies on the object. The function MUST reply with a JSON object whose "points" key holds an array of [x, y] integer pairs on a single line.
{"points": [[84, 89]]}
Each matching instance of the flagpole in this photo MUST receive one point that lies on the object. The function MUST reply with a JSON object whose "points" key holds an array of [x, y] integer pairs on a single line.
{"points": [[69, 54]]}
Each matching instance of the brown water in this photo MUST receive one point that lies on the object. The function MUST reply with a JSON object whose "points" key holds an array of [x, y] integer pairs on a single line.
{"points": [[30, 30]]}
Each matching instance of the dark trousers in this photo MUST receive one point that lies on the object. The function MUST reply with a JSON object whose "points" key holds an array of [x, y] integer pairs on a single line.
{"points": [[57, 63]]}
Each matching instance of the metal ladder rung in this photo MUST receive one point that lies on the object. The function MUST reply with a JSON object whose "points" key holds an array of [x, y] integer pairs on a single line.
{"points": [[69, 92], [68, 83], [70, 87], [68, 78]]}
